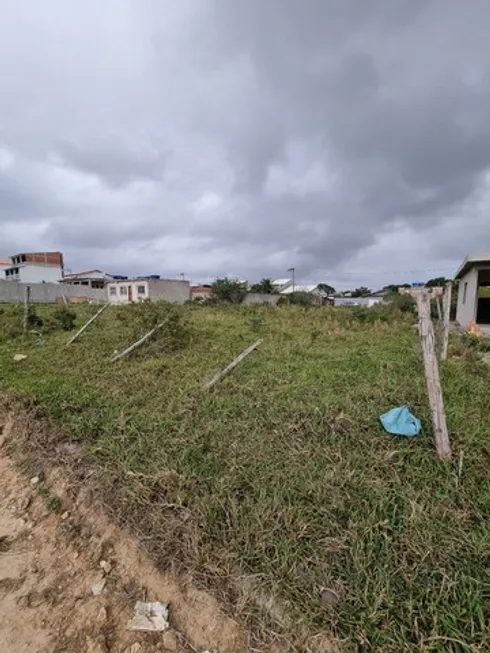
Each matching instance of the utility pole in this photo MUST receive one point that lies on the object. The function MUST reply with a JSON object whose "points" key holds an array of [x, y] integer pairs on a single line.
{"points": [[293, 270]]}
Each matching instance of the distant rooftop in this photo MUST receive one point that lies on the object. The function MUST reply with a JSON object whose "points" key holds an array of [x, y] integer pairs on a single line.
{"points": [[470, 261], [87, 273], [280, 282], [309, 287]]}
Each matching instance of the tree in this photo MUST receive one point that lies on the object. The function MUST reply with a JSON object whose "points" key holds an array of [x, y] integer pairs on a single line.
{"points": [[229, 290], [326, 288], [361, 292], [393, 287], [265, 286], [437, 281]]}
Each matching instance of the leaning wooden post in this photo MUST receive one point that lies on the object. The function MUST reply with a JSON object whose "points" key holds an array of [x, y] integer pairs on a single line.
{"points": [[439, 311], [233, 364], [434, 390], [27, 297], [87, 324], [138, 343], [446, 301]]}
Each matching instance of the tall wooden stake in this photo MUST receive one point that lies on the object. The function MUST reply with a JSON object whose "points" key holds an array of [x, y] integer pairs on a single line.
{"points": [[434, 390], [446, 302], [87, 324], [27, 297], [138, 343], [233, 364], [439, 312]]}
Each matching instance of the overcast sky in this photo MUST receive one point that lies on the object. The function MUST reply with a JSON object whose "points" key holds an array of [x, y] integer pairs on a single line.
{"points": [[349, 139]]}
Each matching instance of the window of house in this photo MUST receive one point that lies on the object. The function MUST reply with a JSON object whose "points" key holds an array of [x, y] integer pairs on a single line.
{"points": [[465, 288], [123, 290], [113, 290], [141, 290]]}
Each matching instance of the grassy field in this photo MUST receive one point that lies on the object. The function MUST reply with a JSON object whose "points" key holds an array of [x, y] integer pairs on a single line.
{"points": [[281, 482]]}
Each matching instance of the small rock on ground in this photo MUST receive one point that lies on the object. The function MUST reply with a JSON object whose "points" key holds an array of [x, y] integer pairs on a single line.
{"points": [[96, 645], [169, 641], [98, 588], [134, 648]]}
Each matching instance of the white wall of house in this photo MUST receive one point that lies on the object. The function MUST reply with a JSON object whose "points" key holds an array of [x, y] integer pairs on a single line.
{"points": [[126, 291], [467, 297], [131, 290], [33, 273]]}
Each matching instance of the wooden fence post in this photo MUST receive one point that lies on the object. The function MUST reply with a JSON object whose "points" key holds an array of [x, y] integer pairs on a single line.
{"points": [[233, 364], [87, 324], [446, 301], [439, 311], [138, 343], [434, 390], [27, 298]]}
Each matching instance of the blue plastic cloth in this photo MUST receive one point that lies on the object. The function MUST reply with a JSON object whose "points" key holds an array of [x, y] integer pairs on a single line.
{"points": [[400, 421]]}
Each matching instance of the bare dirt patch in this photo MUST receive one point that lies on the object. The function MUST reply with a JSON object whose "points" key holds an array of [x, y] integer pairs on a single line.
{"points": [[55, 546]]}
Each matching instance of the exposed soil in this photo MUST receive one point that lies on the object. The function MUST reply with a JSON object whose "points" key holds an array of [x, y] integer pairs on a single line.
{"points": [[51, 555]]}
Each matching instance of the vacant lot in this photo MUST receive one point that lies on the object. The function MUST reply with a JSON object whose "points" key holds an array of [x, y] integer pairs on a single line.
{"points": [[280, 483]]}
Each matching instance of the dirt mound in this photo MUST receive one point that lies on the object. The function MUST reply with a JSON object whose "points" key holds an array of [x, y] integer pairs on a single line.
{"points": [[54, 547]]}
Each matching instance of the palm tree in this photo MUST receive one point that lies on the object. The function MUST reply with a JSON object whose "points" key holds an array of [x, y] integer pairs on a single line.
{"points": [[265, 287]]}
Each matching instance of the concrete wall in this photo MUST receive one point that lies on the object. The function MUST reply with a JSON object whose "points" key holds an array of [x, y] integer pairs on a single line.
{"points": [[357, 301], [171, 290], [37, 273], [13, 291], [467, 299], [260, 298]]}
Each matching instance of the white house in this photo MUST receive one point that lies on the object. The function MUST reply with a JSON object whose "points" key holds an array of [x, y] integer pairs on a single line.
{"points": [[125, 291], [473, 276], [90, 278], [311, 288], [281, 283], [35, 267]]}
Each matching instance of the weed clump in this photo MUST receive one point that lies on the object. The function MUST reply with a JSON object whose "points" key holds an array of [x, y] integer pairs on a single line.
{"points": [[138, 319], [64, 319], [475, 342], [38, 321]]}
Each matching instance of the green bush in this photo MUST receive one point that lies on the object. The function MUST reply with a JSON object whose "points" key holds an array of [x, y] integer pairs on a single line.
{"points": [[227, 290], [473, 341], [139, 318], [403, 303], [299, 299], [34, 321], [64, 318]]}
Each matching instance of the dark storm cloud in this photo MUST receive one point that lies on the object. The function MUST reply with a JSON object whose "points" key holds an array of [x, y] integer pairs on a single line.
{"points": [[250, 134]]}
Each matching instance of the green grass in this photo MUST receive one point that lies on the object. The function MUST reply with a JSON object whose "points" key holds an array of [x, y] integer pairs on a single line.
{"points": [[281, 482]]}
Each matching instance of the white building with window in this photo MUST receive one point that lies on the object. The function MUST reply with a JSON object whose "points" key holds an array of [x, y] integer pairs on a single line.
{"points": [[34, 267], [473, 277], [125, 291]]}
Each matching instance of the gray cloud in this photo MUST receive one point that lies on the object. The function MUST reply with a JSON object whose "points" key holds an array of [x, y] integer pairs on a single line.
{"points": [[245, 137]]}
